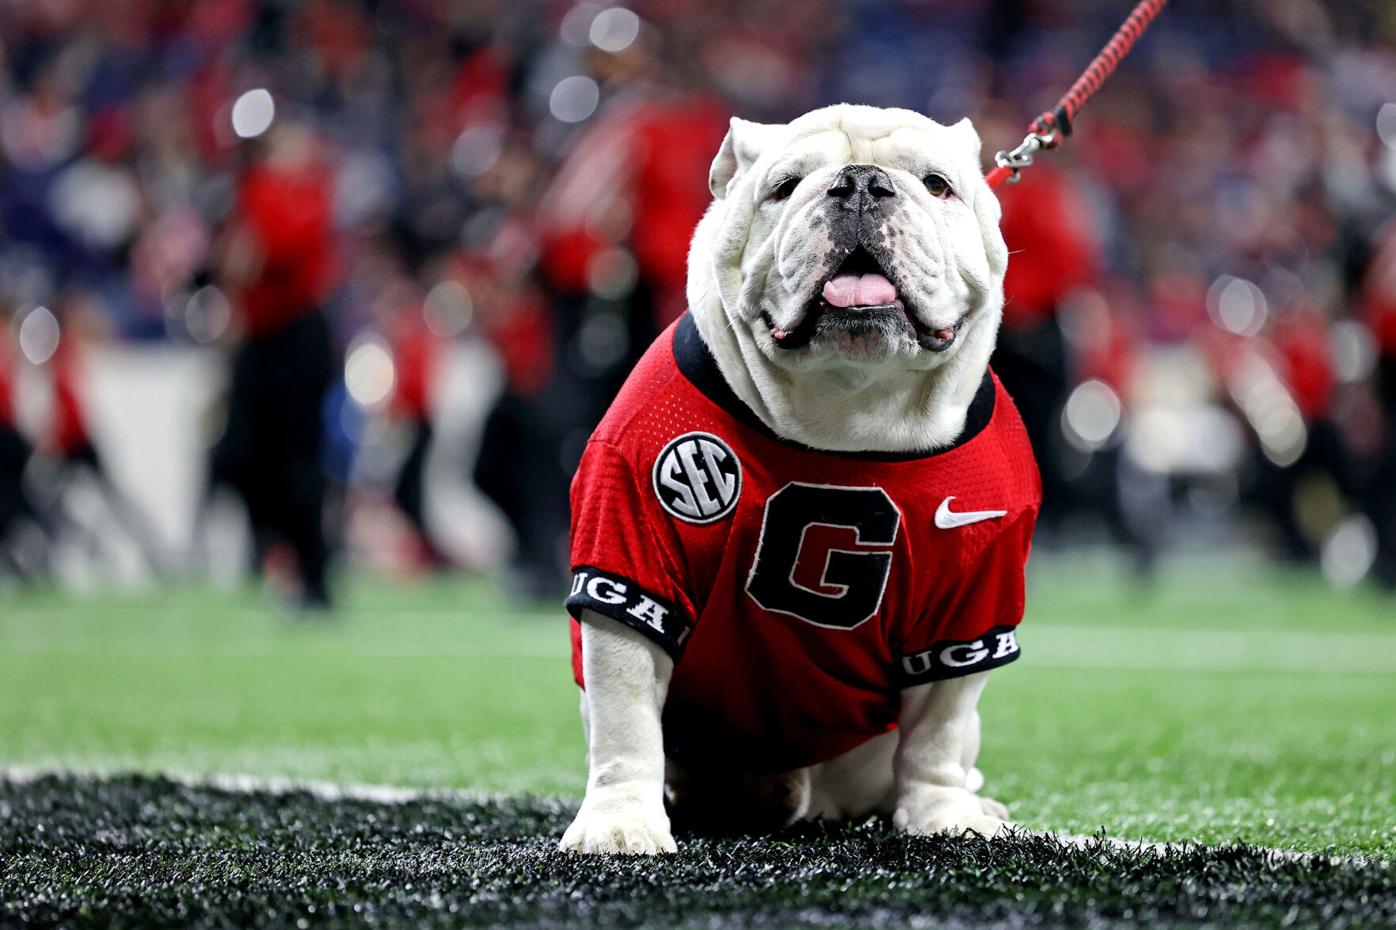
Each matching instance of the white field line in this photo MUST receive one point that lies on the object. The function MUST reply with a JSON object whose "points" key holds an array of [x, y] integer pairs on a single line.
{"points": [[1275, 852], [387, 794], [1046, 646], [258, 784]]}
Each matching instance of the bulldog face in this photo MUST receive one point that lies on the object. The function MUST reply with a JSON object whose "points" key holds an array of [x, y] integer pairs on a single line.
{"points": [[857, 236]]}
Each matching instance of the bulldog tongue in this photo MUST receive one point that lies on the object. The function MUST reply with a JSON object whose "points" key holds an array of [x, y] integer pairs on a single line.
{"points": [[851, 290]]}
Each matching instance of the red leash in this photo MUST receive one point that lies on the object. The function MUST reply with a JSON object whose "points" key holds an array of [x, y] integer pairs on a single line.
{"points": [[1049, 129]]}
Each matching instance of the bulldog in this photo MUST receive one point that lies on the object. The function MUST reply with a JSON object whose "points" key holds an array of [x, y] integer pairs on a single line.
{"points": [[799, 534]]}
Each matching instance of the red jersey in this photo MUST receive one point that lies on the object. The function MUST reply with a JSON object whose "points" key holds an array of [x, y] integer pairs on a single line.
{"points": [[416, 351], [798, 591], [289, 213], [1046, 225]]}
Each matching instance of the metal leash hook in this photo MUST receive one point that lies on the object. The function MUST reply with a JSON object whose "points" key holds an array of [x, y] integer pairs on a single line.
{"points": [[1022, 156], [1010, 163]]}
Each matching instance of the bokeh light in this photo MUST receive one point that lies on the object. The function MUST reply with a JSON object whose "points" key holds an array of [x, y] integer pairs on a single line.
{"points": [[476, 150], [1091, 416], [253, 113], [574, 98], [1270, 409], [369, 372], [1354, 351], [38, 335], [614, 29], [1386, 124], [575, 28], [1349, 551], [207, 314], [448, 309], [1237, 305]]}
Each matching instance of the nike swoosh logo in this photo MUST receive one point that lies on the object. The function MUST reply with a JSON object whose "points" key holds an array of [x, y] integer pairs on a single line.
{"points": [[948, 519]]}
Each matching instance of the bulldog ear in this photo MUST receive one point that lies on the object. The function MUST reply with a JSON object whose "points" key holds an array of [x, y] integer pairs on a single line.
{"points": [[741, 147], [968, 138]]}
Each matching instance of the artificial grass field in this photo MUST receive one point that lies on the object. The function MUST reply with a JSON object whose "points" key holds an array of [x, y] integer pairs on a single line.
{"points": [[1227, 703]]}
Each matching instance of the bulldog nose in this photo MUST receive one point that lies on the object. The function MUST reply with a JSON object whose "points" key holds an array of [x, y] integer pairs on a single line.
{"points": [[861, 186]]}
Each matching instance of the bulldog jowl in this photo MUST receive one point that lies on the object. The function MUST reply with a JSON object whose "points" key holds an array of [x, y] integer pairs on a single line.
{"points": [[860, 312]]}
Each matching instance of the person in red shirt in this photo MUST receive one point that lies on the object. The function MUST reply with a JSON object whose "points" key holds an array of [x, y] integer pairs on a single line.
{"points": [[1291, 361], [284, 234], [1379, 312], [1299, 348], [279, 262], [798, 591], [417, 354], [1046, 227], [14, 454]]}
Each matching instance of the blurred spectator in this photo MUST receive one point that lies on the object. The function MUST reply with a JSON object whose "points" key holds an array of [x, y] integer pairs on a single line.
{"points": [[549, 161], [278, 258], [416, 348], [1047, 228], [14, 456], [1300, 345], [1380, 313], [1057, 265]]}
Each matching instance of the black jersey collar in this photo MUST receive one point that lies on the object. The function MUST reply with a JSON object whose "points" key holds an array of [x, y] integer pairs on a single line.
{"points": [[696, 361]]}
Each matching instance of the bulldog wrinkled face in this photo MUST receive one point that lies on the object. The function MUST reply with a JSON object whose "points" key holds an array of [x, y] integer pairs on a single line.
{"points": [[863, 243]]}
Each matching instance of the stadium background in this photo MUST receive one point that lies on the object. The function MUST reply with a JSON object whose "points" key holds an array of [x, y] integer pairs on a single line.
{"points": [[487, 198], [432, 237]]}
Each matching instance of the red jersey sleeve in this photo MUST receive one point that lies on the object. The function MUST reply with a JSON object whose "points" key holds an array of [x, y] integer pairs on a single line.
{"points": [[623, 565], [973, 627]]}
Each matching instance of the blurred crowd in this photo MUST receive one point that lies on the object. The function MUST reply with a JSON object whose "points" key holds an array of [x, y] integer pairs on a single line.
{"points": [[338, 194]]}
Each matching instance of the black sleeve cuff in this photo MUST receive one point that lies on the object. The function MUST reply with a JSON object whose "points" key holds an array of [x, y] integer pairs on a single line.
{"points": [[955, 658], [625, 601]]}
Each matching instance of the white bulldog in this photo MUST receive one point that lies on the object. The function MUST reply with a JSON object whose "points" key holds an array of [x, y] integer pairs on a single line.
{"points": [[848, 280]]}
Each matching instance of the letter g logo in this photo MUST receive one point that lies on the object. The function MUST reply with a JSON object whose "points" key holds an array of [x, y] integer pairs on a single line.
{"points": [[846, 582]]}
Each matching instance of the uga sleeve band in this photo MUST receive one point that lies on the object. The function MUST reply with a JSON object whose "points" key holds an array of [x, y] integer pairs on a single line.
{"points": [[952, 659], [626, 602]]}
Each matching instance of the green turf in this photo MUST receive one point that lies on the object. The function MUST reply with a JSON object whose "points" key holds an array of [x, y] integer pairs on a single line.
{"points": [[1228, 703], [140, 853]]}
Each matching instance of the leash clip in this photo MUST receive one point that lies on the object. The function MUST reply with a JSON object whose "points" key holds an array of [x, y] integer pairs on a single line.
{"points": [[1022, 156]]}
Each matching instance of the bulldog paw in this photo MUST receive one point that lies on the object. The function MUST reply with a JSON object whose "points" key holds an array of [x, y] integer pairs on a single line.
{"points": [[631, 830], [951, 810], [992, 808]]}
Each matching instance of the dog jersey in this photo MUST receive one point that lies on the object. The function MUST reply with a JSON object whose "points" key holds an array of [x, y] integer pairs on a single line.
{"points": [[797, 591]]}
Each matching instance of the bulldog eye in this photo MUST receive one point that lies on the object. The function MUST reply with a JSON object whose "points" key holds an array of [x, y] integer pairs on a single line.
{"points": [[937, 186], [784, 189]]}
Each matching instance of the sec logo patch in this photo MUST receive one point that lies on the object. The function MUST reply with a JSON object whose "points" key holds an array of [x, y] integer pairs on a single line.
{"points": [[698, 478]]}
